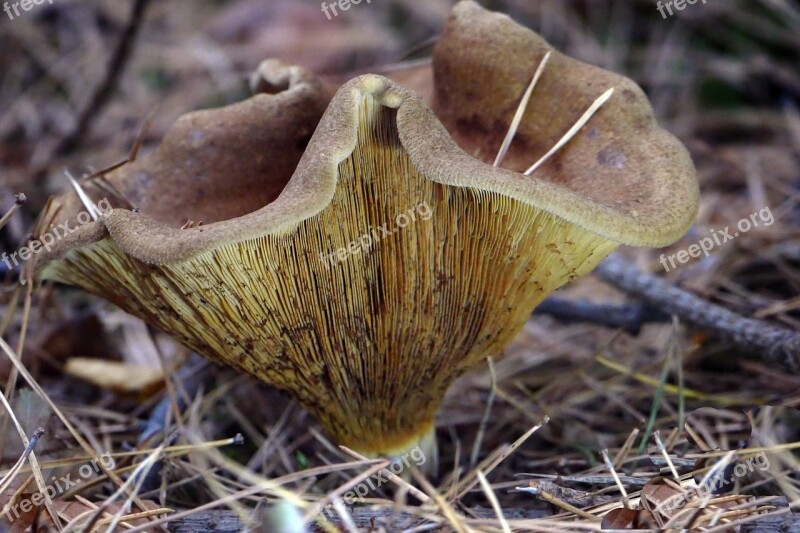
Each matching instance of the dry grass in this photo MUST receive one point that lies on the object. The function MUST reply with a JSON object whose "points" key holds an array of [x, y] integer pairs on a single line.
{"points": [[722, 76]]}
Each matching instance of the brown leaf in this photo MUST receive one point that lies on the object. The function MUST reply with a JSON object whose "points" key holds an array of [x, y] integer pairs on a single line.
{"points": [[67, 511], [628, 519], [662, 497], [116, 376]]}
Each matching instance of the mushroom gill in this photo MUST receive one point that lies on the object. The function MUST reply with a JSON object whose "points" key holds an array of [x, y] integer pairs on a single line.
{"points": [[390, 263]]}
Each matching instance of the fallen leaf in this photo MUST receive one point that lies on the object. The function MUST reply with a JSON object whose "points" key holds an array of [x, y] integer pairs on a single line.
{"points": [[68, 511], [122, 378]]}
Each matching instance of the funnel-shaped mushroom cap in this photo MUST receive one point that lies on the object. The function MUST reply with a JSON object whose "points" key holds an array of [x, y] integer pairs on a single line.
{"points": [[392, 260]]}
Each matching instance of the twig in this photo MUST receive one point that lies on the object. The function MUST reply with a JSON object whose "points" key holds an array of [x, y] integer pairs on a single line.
{"points": [[103, 92], [492, 497], [774, 344], [454, 519], [19, 199], [617, 481], [391, 476], [665, 453], [630, 481], [34, 462], [630, 317], [476, 448], [540, 490], [490, 463], [21, 461]]}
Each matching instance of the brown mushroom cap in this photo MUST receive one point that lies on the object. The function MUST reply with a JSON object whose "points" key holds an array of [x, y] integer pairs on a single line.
{"points": [[639, 176], [369, 339], [212, 165]]}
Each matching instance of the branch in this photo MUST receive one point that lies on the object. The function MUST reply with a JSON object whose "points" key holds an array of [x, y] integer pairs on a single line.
{"points": [[116, 65], [630, 317], [103, 91], [773, 344]]}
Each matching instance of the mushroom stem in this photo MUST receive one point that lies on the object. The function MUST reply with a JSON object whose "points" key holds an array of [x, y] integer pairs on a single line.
{"points": [[421, 452]]}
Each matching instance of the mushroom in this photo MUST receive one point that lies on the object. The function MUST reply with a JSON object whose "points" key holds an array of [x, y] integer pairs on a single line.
{"points": [[397, 256]]}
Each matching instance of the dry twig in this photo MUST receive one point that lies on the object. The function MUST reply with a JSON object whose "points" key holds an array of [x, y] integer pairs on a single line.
{"points": [[774, 344]]}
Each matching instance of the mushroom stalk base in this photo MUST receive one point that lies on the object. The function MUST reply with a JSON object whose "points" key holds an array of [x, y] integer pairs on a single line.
{"points": [[420, 452]]}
